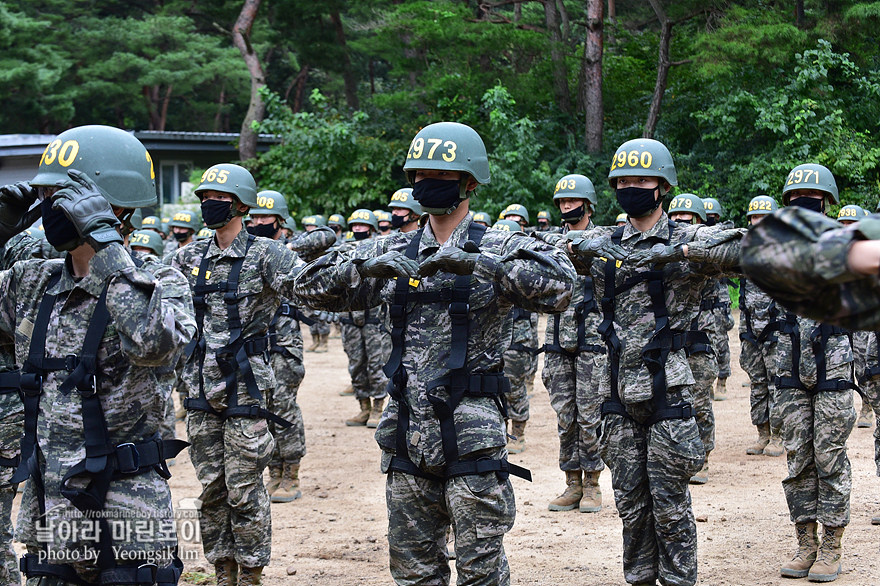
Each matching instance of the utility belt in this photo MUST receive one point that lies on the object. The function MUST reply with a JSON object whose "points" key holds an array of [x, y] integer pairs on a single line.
{"points": [[696, 342], [142, 575], [710, 303], [350, 321], [293, 312], [819, 342]]}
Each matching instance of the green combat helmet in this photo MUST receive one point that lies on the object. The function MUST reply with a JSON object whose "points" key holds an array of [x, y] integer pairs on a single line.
{"points": [[713, 206], [271, 203], [642, 157], [507, 226], [575, 186], [483, 218], [810, 176], [148, 239], [203, 234], [137, 219], [337, 220], [402, 198], [116, 161], [152, 223], [230, 178], [314, 220], [448, 146], [621, 218], [544, 215], [186, 219], [850, 213], [688, 203], [516, 209], [761, 205], [364, 217]]}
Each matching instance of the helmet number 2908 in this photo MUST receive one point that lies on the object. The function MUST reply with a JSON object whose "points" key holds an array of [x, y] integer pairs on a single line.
{"points": [[632, 159], [418, 148]]}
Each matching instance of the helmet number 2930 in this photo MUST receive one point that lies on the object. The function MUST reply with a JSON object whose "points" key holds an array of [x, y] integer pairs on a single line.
{"points": [[418, 148], [65, 153]]}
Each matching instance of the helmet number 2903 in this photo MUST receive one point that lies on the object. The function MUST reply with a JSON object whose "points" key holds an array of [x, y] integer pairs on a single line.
{"points": [[418, 148]]}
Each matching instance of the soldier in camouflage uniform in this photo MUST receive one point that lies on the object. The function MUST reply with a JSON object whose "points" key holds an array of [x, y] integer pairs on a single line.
{"points": [[405, 211], [320, 330], [520, 361], [89, 334], [442, 436], [814, 380], [184, 225], [758, 334], [366, 340], [543, 222], [228, 372], [286, 350], [722, 316], [574, 355], [650, 289]]}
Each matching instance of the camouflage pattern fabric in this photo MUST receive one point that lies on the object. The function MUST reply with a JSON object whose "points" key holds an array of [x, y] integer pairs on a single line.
{"points": [[652, 463], [705, 367], [520, 362], [815, 427], [149, 327], [290, 443], [229, 455], [368, 346], [758, 359], [319, 328], [871, 390], [512, 269], [722, 323]]}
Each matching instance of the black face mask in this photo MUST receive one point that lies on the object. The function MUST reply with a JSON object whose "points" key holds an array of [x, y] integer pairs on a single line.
{"points": [[710, 221], [543, 224], [264, 230], [637, 202], [399, 221], [216, 213], [437, 196], [808, 203], [60, 232], [181, 236], [574, 216], [361, 235]]}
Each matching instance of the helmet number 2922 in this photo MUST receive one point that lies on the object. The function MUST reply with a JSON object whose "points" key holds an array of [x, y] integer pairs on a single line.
{"points": [[418, 148]]}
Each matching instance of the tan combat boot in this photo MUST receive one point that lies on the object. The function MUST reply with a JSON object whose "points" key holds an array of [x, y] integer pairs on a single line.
{"points": [[574, 491], [226, 572], [288, 490], [774, 448], [180, 413], [701, 477], [274, 479], [250, 576], [376, 412], [826, 568], [720, 390], [362, 417], [347, 391], [316, 341], [591, 502], [518, 443], [322, 343], [757, 448], [865, 416], [808, 545], [874, 520]]}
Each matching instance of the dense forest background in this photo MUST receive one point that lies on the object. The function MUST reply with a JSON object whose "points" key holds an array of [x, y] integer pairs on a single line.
{"points": [[739, 91]]}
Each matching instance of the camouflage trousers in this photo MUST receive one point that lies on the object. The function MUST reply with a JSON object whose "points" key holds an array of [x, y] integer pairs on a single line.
{"points": [[368, 348], [705, 368], [520, 367], [650, 468], [759, 362], [871, 393], [720, 342], [572, 385], [11, 428], [814, 432], [319, 327], [229, 458], [479, 508], [290, 443]]}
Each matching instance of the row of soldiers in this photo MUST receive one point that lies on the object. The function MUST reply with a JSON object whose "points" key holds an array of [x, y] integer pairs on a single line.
{"points": [[96, 342]]}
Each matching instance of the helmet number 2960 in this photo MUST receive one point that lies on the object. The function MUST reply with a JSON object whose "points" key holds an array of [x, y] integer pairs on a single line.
{"points": [[632, 159], [419, 148]]}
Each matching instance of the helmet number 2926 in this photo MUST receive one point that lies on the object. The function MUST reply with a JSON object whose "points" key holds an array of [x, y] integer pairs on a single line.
{"points": [[418, 148], [632, 159]]}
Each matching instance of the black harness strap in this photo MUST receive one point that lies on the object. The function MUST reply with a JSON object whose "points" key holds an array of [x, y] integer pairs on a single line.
{"points": [[233, 358], [287, 310], [582, 311], [818, 342], [458, 380], [768, 333], [517, 314], [656, 352]]}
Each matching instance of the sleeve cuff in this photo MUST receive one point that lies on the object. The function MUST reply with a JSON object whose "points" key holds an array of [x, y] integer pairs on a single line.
{"points": [[487, 267]]}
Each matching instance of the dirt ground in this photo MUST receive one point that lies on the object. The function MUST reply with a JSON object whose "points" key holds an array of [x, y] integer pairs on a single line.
{"points": [[336, 533]]}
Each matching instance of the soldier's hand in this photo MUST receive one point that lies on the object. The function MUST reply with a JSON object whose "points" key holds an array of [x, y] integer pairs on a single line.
{"points": [[601, 246], [88, 210], [659, 254], [458, 261], [15, 201], [389, 265]]}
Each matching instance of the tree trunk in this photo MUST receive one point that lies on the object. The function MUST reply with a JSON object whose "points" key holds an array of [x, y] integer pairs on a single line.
{"points": [[247, 144], [800, 16], [151, 97], [563, 18], [557, 56], [591, 87], [663, 65], [612, 10], [163, 117], [218, 117], [351, 97]]}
